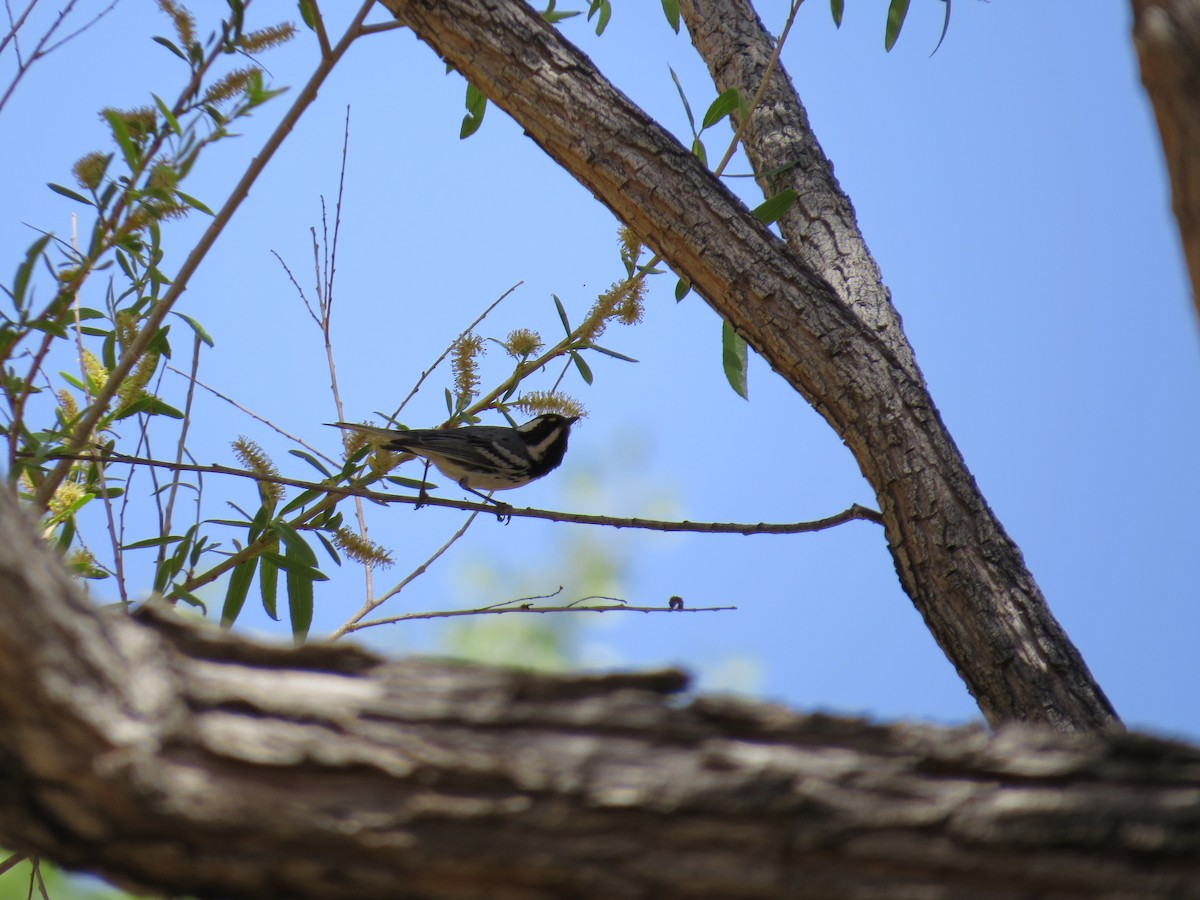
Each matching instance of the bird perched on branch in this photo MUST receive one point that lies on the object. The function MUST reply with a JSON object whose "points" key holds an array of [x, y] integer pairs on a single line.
{"points": [[482, 457]]}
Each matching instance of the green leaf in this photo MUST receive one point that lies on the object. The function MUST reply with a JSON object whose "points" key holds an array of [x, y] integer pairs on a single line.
{"points": [[25, 270], [304, 497], [312, 461], [153, 542], [734, 360], [121, 135], [584, 371], [67, 192], [297, 547], [671, 11], [196, 327], [168, 116], [158, 408], [308, 14], [721, 107], [170, 46], [476, 107], [945, 27], [837, 7], [415, 484], [897, 10], [268, 584], [605, 10], [613, 353], [686, 106], [193, 203], [300, 599], [683, 287], [239, 587], [189, 598], [771, 211], [329, 548], [699, 152], [549, 14], [562, 313]]}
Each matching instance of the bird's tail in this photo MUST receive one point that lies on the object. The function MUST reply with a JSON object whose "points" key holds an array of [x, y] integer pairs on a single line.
{"points": [[375, 434]]}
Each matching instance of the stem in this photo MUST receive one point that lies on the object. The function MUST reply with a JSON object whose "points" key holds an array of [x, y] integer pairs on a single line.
{"points": [[153, 322]]}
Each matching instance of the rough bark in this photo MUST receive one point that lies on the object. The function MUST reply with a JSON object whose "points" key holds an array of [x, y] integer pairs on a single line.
{"points": [[177, 759], [1167, 36], [821, 228], [953, 558]]}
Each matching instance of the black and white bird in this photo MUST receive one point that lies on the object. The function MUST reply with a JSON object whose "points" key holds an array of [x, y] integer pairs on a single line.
{"points": [[482, 458]]}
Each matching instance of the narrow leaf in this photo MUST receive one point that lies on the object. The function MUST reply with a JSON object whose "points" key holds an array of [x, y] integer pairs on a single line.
{"points": [[671, 11], [584, 371], [734, 360], [300, 600], [945, 27], [837, 7], [686, 106], [897, 10], [193, 203], [683, 287], [297, 547], [562, 313], [153, 542], [771, 211], [196, 327], [268, 584], [726, 103], [170, 46], [312, 461], [67, 192], [168, 116], [235, 595], [121, 135]]}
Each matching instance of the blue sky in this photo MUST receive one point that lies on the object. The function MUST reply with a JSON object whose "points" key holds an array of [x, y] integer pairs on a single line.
{"points": [[1012, 189]]}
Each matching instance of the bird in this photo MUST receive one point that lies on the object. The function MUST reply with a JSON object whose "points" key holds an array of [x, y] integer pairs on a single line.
{"points": [[482, 458]]}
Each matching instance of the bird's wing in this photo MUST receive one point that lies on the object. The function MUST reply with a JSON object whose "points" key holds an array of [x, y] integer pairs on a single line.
{"points": [[473, 448]]}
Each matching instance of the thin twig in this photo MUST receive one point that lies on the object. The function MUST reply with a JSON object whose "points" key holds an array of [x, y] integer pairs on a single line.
{"points": [[189, 266], [181, 444], [255, 416], [437, 362], [852, 513], [371, 605], [762, 89], [540, 610]]}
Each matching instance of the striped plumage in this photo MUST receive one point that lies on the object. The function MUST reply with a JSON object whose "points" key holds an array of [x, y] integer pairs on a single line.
{"points": [[483, 457]]}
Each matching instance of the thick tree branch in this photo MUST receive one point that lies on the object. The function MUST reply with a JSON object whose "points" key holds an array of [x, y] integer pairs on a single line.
{"points": [[182, 760], [1167, 36], [961, 570]]}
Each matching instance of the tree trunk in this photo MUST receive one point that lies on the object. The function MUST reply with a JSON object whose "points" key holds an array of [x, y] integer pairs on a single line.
{"points": [[179, 759], [1167, 36], [963, 573]]}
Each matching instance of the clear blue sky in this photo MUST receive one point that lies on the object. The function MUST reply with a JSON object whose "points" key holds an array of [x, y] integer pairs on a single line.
{"points": [[1010, 186]]}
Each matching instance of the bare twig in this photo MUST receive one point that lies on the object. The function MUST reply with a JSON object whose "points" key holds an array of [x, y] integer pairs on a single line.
{"points": [[530, 608], [852, 513], [437, 362], [154, 320], [254, 415], [352, 624]]}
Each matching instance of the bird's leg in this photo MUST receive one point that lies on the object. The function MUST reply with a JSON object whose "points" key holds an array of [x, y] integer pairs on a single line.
{"points": [[422, 496], [500, 505]]}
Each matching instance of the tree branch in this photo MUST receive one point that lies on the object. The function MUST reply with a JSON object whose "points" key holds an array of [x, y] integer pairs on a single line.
{"points": [[961, 570], [1167, 36], [183, 760]]}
